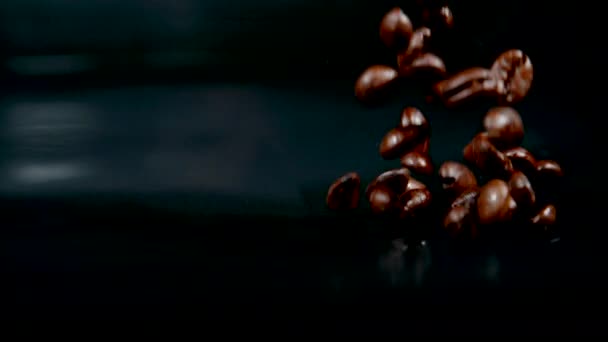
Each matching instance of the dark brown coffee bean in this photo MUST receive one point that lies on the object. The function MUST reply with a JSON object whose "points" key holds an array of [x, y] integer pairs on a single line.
{"points": [[515, 70], [374, 83], [383, 200], [395, 179], [485, 156], [522, 160], [413, 201], [414, 184], [494, 203], [423, 147], [546, 216], [504, 126], [548, 168], [398, 140], [466, 86], [460, 223], [438, 17], [426, 65], [396, 29], [418, 162], [467, 198], [344, 193], [521, 191], [456, 178], [413, 117], [419, 43]]}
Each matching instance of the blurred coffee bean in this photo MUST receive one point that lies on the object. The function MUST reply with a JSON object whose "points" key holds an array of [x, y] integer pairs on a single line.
{"points": [[438, 18], [495, 203], [383, 200], [414, 201], [485, 156], [399, 140], [344, 193], [426, 66], [418, 162], [375, 83], [467, 198], [546, 216], [423, 147], [396, 29], [515, 70], [459, 222], [413, 117], [504, 127], [522, 160], [395, 179], [456, 178], [419, 44], [521, 191], [548, 169], [414, 184]]}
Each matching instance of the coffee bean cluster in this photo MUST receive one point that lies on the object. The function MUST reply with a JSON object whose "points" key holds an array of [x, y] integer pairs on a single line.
{"points": [[515, 177]]}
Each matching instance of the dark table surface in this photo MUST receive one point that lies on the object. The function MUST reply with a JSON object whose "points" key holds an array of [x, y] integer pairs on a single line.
{"points": [[206, 183]]}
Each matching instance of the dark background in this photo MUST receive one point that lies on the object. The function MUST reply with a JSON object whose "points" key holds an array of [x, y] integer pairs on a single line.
{"points": [[166, 154]]}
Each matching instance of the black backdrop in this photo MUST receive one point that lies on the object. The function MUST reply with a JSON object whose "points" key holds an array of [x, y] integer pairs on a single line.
{"points": [[163, 154]]}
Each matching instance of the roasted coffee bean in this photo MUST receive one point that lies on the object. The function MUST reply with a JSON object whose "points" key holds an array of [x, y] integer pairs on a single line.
{"points": [[426, 65], [419, 43], [548, 169], [418, 162], [344, 193], [522, 160], [414, 184], [413, 201], [494, 203], [395, 179], [456, 177], [460, 223], [466, 86], [483, 154], [413, 117], [423, 147], [383, 200], [515, 69], [438, 17], [467, 198], [398, 140], [396, 29], [504, 126], [521, 191], [375, 83], [546, 216]]}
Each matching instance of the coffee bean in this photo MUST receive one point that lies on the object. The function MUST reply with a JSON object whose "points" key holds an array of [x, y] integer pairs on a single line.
{"points": [[418, 162], [467, 198], [414, 184], [459, 222], [375, 83], [396, 179], [438, 17], [414, 201], [344, 193], [515, 70], [426, 65], [548, 168], [485, 156], [522, 160], [413, 117], [504, 126], [423, 147], [466, 86], [396, 29], [494, 203], [383, 200], [546, 216], [456, 177], [398, 140], [419, 43], [521, 191]]}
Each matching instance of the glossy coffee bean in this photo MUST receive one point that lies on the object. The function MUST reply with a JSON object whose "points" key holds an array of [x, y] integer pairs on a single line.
{"points": [[344, 193], [548, 169], [504, 127], [414, 201], [383, 200], [546, 216], [414, 184], [395, 179], [522, 160], [521, 191], [485, 156], [396, 29], [459, 222], [397, 141], [468, 85], [515, 70], [456, 177], [441, 17], [467, 198], [413, 117], [423, 147], [418, 163], [375, 83], [426, 65], [419, 44], [495, 203]]}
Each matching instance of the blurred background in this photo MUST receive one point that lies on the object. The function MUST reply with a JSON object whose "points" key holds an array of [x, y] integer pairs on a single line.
{"points": [[150, 149]]}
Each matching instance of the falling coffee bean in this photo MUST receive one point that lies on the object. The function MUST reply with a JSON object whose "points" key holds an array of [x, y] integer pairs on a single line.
{"points": [[395, 179], [427, 65], [460, 223], [419, 43], [374, 83], [413, 117], [382, 200], [494, 203], [546, 216], [414, 201], [522, 160], [483, 154], [438, 17], [514, 69], [423, 147], [521, 191], [467, 198], [396, 29], [344, 193], [397, 141], [548, 168], [418, 162], [504, 127], [414, 184], [456, 177]]}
